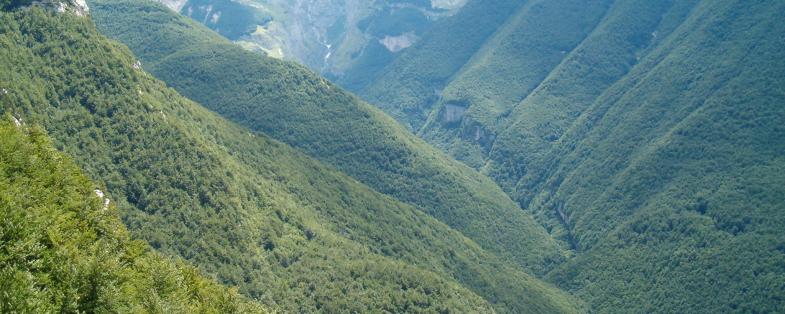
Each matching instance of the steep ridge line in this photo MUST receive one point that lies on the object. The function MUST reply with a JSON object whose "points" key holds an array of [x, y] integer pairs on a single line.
{"points": [[300, 108]]}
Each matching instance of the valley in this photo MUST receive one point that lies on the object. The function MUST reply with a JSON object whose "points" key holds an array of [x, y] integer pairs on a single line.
{"points": [[407, 156]]}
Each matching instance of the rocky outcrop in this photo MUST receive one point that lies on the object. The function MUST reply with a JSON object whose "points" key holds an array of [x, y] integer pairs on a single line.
{"points": [[175, 5], [398, 43], [453, 113], [80, 7], [77, 7], [448, 4], [100, 194]]}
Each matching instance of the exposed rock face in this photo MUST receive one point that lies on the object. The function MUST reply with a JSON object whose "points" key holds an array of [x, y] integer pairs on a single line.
{"points": [[175, 5], [448, 4], [453, 113], [476, 133], [80, 6], [100, 194], [398, 43], [77, 7]]}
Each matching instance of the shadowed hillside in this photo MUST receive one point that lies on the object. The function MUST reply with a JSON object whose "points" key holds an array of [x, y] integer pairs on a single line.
{"points": [[645, 135], [255, 213]]}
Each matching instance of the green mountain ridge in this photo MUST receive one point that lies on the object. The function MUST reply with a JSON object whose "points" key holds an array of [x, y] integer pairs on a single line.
{"points": [[625, 154], [64, 248], [646, 135], [255, 213], [710, 169], [293, 105], [407, 88], [506, 69]]}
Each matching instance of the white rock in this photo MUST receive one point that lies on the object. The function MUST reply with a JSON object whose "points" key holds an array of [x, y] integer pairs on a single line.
{"points": [[453, 113], [398, 43], [175, 5], [448, 4], [102, 196], [17, 122], [77, 7], [80, 6]]}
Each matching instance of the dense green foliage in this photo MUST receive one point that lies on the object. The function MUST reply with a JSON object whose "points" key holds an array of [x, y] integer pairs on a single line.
{"points": [[627, 32], [645, 134], [293, 105], [62, 250], [12, 4], [231, 19], [676, 171], [508, 67], [407, 88], [255, 213]]}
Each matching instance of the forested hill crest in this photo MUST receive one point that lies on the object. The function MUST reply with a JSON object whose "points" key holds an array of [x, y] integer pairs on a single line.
{"points": [[64, 248], [296, 235], [296, 106]]}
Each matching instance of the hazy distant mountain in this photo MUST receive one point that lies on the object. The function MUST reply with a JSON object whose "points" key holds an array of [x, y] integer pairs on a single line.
{"points": [[339, 38]]}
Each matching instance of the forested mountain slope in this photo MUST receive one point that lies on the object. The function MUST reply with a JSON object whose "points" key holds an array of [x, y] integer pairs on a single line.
{"points": [[293, 105], [646, 134], [407, 87], [257, 214], [676, 172], [629, 31], [64, 249], [462, 92], [474, 106]]}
